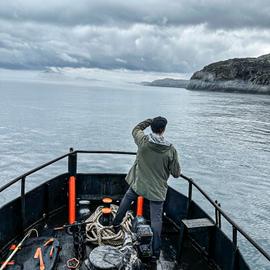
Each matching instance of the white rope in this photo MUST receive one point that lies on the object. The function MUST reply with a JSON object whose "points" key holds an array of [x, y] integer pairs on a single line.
{"points": [[98, 234]]}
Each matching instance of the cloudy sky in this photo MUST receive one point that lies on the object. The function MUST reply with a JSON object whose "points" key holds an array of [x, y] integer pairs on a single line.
{"points": [[148, 35]]}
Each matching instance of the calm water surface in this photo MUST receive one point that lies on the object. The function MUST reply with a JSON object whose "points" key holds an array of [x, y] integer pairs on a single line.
{"points": [[223, 139]]}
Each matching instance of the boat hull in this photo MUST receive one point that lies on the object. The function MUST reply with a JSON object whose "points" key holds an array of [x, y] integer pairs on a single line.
{"points": [[48, 204]]}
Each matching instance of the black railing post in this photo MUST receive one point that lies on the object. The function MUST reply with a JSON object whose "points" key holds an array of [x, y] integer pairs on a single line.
{"points": [[23, 203], [189, 191], [219, 216], [235, 265], [72, 170], [189, 196], [72, 163], [216, 213], [234, 236]]}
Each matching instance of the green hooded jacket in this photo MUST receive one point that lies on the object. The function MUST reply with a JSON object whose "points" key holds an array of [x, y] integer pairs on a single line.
{"points": [[153, 165]]}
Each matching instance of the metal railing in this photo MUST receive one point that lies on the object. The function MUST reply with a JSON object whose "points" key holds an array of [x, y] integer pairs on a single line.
{"points": [[72, 169], [219, 212]]}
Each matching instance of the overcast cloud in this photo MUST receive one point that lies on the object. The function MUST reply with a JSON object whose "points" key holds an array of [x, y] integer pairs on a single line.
{"points": [[167, 36]]}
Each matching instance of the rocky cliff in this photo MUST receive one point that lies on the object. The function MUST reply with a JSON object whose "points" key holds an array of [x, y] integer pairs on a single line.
{"points": [[251, 75]]}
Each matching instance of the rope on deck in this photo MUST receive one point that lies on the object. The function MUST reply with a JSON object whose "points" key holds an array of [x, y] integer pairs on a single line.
{"points": [[98, 234]]}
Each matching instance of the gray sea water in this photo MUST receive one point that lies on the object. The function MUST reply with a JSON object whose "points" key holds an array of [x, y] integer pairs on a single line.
{"points": [[223, 139]]}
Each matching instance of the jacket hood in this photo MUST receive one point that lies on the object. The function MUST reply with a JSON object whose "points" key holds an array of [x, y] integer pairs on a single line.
{"points": [[158, 143]]}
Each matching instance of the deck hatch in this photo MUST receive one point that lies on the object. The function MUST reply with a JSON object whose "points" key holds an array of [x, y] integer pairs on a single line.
{"points": [[198, 223]]}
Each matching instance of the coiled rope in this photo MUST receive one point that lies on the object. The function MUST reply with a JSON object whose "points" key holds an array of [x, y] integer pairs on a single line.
{"points": [[98, 234]]}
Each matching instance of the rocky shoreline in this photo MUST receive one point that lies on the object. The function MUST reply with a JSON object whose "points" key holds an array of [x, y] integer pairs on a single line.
{"points": [[243, 75], [237, 86], [249, 75]]}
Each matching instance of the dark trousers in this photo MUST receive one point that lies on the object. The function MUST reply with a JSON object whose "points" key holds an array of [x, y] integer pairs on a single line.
{"points": [[156, 210]]}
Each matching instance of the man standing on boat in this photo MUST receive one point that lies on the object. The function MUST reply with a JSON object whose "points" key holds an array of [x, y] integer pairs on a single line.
{"points": [[156, 159]]}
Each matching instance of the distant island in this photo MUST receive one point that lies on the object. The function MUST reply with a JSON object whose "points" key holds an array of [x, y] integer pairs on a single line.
{"points": [[167, 82], [244, 75]]}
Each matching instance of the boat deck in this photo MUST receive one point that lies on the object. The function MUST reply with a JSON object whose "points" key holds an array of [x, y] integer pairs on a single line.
{"points": [[168, 251], [167, 259]]}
